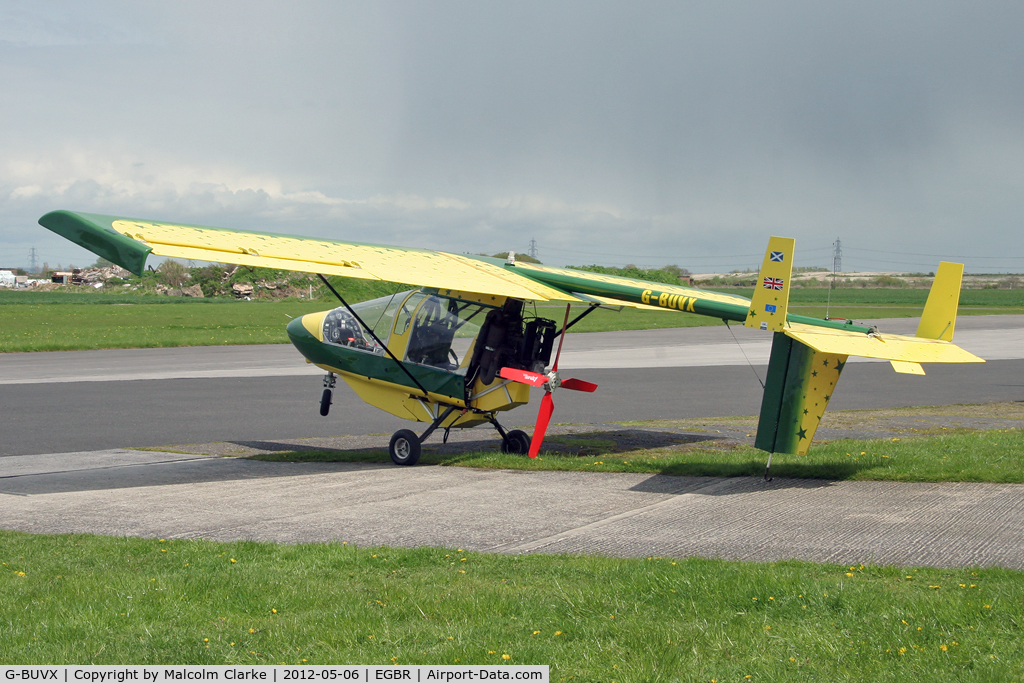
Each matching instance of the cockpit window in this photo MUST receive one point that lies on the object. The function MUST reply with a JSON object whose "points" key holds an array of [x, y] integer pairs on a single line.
{"points": [[442, 332], [340, 327]]}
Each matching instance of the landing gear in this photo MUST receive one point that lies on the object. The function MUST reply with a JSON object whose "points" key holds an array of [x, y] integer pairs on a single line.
{"points": [[325, 402], [327, 397], [517, 441], [404, 447]]}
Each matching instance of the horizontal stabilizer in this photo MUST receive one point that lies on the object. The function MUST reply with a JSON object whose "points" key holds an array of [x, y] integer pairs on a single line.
{"points": [[882, 346]]}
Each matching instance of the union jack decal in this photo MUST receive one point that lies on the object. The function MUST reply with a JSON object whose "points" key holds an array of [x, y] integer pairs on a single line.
{"points": [[773, 283]]}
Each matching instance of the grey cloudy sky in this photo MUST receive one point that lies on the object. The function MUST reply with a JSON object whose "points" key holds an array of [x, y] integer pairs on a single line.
{"points": [[613, 133]]}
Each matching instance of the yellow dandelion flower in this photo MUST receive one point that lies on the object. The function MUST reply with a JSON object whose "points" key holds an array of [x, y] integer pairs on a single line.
{"points": [[231, 644], [462, 571], [252, 630], [536, 632], [463, 559], [792, 659], [558, 633], [849, 573], [206, 640], [943, 647], [490, 652], [273, 611], [506, 657], [988, 606], [233, 560]]}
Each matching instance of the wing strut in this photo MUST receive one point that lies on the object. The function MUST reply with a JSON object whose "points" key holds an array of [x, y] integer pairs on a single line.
{"points": [[581, 316], [375, 337]]}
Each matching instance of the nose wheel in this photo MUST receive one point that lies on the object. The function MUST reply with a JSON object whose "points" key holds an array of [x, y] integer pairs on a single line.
{"points": [[327, 398]]}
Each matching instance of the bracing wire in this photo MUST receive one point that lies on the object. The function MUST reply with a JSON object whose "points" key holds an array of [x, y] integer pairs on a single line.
{"points": [[729, 327]]}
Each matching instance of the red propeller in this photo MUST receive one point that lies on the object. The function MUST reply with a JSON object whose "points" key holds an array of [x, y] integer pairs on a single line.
{"points": [[550, 382]]}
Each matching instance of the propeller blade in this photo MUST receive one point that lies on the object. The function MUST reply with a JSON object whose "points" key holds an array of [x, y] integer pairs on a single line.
{"points": [[523, 376], [547, 406], [578, 385]]}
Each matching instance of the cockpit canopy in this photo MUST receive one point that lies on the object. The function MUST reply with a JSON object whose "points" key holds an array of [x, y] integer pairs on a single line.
{"points": [[433, 330]]}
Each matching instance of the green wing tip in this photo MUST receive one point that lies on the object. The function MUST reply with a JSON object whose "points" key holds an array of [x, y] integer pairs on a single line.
{"points": [[94, 233]]}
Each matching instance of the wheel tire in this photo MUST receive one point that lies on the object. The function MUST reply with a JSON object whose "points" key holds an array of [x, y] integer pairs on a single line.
{"points": [[325, 402], [517, 441], [404, 447]]}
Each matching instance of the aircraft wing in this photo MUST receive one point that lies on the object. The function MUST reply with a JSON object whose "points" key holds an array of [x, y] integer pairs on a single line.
{"points": [[129, 241]]}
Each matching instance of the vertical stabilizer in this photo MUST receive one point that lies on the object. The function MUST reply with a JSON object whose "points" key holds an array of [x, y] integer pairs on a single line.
{"points": [[939, 317], [770, 302], [799, 385]]}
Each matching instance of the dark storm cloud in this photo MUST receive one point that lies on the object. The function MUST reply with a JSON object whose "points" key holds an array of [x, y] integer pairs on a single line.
{"points": [[644, 132]]}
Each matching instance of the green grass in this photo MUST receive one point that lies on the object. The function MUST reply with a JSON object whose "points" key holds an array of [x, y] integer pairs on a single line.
{"points": [[53, 321], [65, 327], [88, 599], [961, 455]]}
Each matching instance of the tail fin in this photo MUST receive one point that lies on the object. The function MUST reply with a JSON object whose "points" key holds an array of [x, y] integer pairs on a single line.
{"points": [[797, 390], [769, 305], [939, 317]]}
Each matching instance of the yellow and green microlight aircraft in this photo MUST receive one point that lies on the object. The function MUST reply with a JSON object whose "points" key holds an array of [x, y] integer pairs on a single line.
{"points": [[462, 347]]}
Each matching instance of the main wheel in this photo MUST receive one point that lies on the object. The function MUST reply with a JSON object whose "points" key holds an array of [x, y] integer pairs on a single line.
{"points": [[517, 441], [325, 402], [404, 447]]}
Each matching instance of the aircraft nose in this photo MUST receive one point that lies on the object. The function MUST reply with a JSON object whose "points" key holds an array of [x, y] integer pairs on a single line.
{"points": [[307, 328]]}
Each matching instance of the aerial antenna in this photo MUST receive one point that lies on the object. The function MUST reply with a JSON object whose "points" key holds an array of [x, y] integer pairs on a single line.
{"points": [[32, 261], [533, 249], [837, 266]]}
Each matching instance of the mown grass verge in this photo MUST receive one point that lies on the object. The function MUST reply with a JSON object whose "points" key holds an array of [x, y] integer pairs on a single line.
{"points": [[90, 599], [81, 326], [56, 321], [960, 455]]}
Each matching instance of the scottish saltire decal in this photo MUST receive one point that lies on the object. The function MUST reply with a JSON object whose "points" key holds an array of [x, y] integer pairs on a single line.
{"points": [[777, 256], [770, 308], [773, 283]]}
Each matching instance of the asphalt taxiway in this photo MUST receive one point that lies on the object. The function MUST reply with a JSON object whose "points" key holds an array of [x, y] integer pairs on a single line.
{"points": [[70, 421]]}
